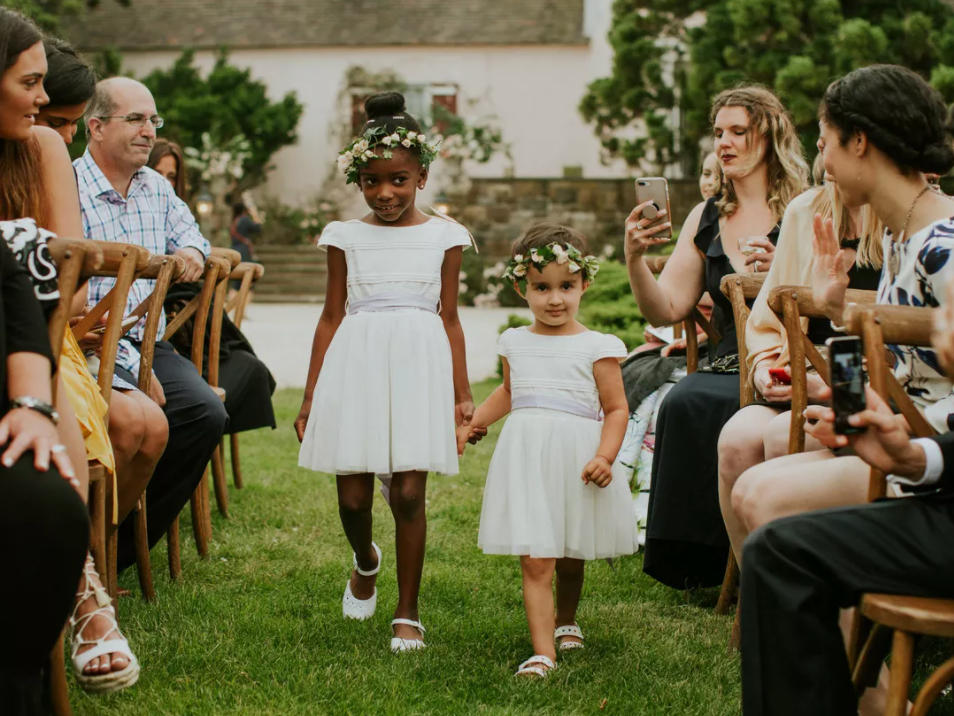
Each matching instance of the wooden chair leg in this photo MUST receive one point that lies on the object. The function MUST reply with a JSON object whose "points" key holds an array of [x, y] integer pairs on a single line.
{"points": [[59, 689], [902, 667], [172, 543], [735, 638], [198, 503], [933, 687], [143, 563], [97, 519], [730, 585], [866, 665], [219, 480], [236, 469], [112, 565]]}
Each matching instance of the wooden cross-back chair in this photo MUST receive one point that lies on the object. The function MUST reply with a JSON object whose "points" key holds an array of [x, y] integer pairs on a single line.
{"points": [[247, 273], [739, 288], [890, 617], [216, 272]]}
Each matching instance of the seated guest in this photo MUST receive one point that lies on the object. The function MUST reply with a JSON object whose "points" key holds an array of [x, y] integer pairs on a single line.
{"points": [[166, 158], [69, 83], [123, 200]]}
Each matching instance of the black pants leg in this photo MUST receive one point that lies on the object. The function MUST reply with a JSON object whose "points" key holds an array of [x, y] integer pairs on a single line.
{"points": [[197, 421], [44, 528], [798, 572]]}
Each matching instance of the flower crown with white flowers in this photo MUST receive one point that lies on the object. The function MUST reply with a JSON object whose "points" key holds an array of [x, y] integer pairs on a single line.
{"points": [[539, 257], [361, 150]]}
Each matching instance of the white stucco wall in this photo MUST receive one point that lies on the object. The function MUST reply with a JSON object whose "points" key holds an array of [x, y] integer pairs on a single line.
{"points": [[533, 91]]}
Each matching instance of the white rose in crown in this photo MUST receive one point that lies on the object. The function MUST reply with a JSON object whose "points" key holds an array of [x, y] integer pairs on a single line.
{"points": [[395, 137], [535, 257], [561, 257], [386, 141], [369, 154], [406, 143], [412, 136], [421, 138], [518, 258], [361, 147], [574, 267], [520, 270], [344, 161]]}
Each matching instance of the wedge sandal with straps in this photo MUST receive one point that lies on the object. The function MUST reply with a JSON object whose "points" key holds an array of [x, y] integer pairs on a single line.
{"points": [[533, 667], [569, 630], [112, 642], [361, 609], [398, 644]]}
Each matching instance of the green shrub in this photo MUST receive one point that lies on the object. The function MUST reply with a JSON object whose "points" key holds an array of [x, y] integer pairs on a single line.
{"points": [[609, 307], [513, 321]]}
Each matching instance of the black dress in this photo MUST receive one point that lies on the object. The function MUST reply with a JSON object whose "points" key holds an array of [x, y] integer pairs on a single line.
{"points": [[686, 542], [43, 525]]}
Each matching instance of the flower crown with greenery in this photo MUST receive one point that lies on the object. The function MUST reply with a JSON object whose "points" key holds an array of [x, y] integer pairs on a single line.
{"points": [[539, 257], [361, 150]]}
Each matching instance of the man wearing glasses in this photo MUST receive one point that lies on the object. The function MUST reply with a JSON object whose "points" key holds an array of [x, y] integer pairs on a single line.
{"points": [[123, 200]]}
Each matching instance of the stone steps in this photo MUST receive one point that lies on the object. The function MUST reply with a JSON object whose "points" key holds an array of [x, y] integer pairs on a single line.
{"points": [[293, 274]]}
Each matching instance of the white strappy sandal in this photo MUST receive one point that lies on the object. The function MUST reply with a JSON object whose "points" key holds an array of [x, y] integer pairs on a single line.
{"points": [[361, 609], [114, 680], [534, 667], [569, 630], [398, 645]]}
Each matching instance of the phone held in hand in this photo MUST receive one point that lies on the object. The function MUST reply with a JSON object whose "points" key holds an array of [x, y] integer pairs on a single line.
{"points": [[127, 322], [656, 190], [845, 362], [780, 375]]}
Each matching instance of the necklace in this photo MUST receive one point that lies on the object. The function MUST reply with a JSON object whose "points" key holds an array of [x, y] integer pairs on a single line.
{"points": [[894, 259]]}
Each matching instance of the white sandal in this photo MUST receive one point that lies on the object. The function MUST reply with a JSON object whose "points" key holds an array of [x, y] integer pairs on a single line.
{"points": [[114, 680], [569, 630], [398, 645], [533, 667], [361, 609]]}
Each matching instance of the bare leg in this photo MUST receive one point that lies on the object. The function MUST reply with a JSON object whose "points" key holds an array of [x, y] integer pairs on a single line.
{"points": [[538, 601], [355, 498], [569, 574], [410, 521], [775, 438], [740, 447], [151, 431]]}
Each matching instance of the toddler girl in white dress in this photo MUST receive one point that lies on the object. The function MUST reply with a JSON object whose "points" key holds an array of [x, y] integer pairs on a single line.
{"points": [[388, 376], [551, 496]]}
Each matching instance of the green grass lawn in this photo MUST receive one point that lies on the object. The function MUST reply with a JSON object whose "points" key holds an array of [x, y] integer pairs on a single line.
{"points": [[257, 628]]}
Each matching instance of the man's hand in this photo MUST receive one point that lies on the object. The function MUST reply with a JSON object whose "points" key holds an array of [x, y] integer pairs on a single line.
{"points": [[155, 392], [194, 264]]}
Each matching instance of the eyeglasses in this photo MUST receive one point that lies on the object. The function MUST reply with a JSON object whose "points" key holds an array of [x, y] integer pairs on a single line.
{"points": [[137, 120]]}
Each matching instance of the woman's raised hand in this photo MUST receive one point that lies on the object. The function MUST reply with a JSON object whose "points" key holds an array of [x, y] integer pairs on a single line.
{"points": [[640, 239], [829, 270]]}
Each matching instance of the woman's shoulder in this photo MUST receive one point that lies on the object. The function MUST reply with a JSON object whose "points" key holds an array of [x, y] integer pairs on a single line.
{"points": [[52, 149], [803, 203]]}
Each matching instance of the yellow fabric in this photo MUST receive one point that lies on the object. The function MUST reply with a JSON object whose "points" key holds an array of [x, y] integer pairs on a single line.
{"points": [[90, 408], [792, 266]]}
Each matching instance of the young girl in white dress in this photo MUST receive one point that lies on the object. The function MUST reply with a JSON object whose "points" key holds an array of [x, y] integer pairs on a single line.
{"points": [[388, 377], [550, 495]]}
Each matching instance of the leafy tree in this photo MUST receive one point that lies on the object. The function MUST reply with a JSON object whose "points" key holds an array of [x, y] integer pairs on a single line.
{"points": [[226, 103], [47, 13], [795, 46]]}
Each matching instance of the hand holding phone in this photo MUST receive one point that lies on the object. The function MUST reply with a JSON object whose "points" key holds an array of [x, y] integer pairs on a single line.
{"points": [[657, 214], [780, 375], [846, 363], [127, 322]]}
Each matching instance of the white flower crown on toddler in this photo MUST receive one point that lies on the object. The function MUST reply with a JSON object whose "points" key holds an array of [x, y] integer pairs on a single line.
{"points": [[539, 257], [362, 149]]}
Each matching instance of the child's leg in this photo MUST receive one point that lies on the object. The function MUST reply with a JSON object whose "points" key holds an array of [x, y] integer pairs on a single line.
{"points": [[410, 521], [569, 586], [355, 498], [538, 601]]}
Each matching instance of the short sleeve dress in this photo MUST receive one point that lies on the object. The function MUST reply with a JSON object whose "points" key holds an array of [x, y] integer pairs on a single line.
{"points": [[384, 401], [535, 502]]}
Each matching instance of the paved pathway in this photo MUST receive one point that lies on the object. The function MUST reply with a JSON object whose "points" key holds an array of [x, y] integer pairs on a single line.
{"points": [[281, 335]]}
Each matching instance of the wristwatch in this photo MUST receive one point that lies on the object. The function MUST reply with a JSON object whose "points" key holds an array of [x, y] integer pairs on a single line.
{"points": [[30, 403]]}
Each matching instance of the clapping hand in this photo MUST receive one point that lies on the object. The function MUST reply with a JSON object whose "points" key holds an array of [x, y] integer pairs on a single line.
{"points": [[829, 270], [598, 471]]}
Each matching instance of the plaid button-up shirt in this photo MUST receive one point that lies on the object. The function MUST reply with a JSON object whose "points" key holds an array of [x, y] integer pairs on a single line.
{"points": [[151, 216]]}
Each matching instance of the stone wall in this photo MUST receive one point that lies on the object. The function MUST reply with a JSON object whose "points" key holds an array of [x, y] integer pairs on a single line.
{"points": [[498, 210]]}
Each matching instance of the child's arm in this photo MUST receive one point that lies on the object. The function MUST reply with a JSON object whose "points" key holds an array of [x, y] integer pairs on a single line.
{"points": [[333, 313], [609, 382], [450, 283], [490, 411]]}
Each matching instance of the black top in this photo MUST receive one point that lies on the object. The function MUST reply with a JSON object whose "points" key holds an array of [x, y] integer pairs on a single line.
{"points": [[22, 326], [709, 242], [862, 278]]}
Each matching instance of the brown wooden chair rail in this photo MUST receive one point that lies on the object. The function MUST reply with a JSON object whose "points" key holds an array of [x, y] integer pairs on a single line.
{"points": [[790, 304], [883, 614], [247, 273]]}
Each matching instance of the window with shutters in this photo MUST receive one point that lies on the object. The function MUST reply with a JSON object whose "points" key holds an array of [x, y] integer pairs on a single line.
{"points": [[426, 103]]}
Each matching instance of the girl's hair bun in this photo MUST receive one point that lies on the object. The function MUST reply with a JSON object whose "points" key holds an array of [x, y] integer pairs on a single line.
{"points": [[384, 104]]}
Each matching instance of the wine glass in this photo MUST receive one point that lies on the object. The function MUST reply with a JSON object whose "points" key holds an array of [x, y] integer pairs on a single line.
{"points": [[747, 249]]}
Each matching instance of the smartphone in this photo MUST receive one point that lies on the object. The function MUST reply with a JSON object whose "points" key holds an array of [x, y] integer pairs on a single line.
{"points": [[781, 375], [845, 362], [656, 190], [127, 322]]}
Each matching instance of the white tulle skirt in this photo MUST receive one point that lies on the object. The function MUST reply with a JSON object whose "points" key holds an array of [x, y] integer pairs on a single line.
{"points": [[384, 402], [535, 502]]}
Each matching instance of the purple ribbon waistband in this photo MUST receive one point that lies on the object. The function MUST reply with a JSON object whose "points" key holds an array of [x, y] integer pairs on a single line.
{"points": [[391, 302], [552, 402]]}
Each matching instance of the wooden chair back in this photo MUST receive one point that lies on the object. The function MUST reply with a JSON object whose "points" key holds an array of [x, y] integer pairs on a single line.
{"points": [[790, 304], [740, 288], [247, 273]]}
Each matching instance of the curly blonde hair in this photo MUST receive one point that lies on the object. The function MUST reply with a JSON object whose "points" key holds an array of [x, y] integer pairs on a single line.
{"points": [[829, 205], [773, 134]]}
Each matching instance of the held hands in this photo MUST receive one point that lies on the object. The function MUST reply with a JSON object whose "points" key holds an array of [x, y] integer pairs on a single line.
{"points": [[25, 430], [598, 471], [829, 270], [194, 264], [638, 239], [763, 259]]}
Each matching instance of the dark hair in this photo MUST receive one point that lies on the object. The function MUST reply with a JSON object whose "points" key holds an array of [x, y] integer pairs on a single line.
{"points": [[164, 148], [238, 208], [17, 33], [900, 113], [69, 80], [546, 233], [389, 110]]}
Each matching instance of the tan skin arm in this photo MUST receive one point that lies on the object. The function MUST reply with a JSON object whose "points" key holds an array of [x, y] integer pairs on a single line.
{"points": [[672, 297], [609, 382], [333, 313], [450, 283], [490, 411]]}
